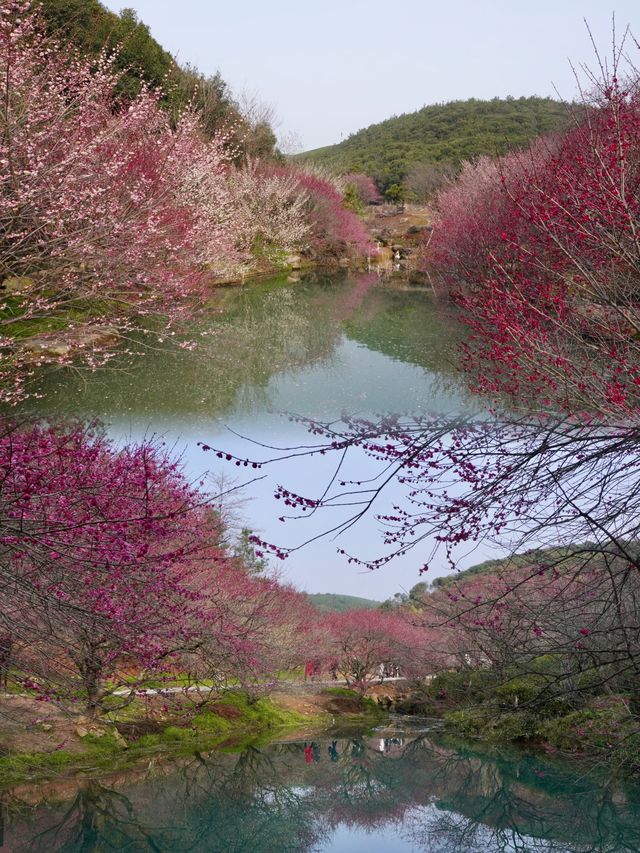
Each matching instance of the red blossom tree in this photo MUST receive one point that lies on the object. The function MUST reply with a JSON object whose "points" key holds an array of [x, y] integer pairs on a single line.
{"points": [[365, 644], [259, 627], [111, 561], [566, 618], [542, 251]]}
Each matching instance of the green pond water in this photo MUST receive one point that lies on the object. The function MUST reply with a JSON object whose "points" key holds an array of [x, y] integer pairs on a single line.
{"points": [[399, 788], [318, 347], [321, 347]]}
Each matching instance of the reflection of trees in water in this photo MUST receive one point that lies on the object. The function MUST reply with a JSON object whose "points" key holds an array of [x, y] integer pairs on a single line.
{"points": [[277, 331], [408, 326], [496, 826], [450, 833], [263, 330], [208, 805], [502, 805], [286, 798], [415, 328], [97, 819]]}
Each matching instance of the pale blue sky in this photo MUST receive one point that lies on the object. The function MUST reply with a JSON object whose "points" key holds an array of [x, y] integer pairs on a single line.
{"points": [[332, 67]]}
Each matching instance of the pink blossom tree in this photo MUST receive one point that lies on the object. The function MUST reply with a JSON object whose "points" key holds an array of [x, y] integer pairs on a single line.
{"points": [[542, 252], [104, 207], [259, 626], [271, 210], [362, 643], [333, 228], [110, 559], [361, 189]]}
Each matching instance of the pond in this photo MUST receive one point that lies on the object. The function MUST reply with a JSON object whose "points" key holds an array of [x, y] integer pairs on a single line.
{"points": [[399, 788], [319, 347]]}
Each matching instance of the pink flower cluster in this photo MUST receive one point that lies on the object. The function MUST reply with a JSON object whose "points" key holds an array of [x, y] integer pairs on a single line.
{"points": [[113, 562]]}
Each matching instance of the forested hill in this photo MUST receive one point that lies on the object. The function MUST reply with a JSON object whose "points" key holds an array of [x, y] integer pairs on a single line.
{"points": [[90, 27], [331, 603], [441, 133], [571, 556]]}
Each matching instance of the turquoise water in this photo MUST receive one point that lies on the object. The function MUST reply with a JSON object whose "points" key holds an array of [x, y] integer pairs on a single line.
{"points": [[396, 789]]}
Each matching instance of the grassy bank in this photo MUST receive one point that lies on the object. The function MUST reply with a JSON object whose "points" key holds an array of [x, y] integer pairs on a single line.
{"points": [[536, 710], [230, 722]]}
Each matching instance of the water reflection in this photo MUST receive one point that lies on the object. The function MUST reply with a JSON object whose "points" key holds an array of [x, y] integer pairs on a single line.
{"points": [[318, 347], [392, 791], [321, 347]]}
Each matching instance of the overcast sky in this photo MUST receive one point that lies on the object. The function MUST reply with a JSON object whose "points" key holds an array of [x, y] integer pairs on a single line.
{"points": [[330, 68]]}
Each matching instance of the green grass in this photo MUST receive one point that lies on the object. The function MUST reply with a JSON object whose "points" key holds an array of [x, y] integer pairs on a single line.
{"points": [[604, 725], [230, 723], [20, 329], [259, 713], [341, 691], [98, 754]]}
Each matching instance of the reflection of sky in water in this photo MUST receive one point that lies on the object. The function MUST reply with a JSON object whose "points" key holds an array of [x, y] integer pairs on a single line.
{"points": [[394, 839], [318, 372], [348, 839], [354, 380], [392, 792]]}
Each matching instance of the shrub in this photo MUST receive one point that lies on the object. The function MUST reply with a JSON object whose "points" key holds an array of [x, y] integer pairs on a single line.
{"points": [[102, 201]]}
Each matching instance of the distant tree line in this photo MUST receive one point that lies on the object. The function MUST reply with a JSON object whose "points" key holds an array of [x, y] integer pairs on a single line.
{"points": [[410, 155]]}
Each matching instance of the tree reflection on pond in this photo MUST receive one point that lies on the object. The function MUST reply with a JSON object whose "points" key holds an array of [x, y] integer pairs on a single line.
{"points": [[415, 788]]}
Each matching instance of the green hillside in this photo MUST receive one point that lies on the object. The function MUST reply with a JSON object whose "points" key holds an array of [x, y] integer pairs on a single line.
{"points": [[572, 555], [441, 134], [91, 28], [327, 602]]}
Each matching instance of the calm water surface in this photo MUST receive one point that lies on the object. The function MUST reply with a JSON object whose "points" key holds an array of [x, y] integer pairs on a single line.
{"points": [[318, 348], [397, 789]]}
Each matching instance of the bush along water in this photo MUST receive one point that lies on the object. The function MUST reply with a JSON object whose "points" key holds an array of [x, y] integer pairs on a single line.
{"points": [[115, 211]]}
